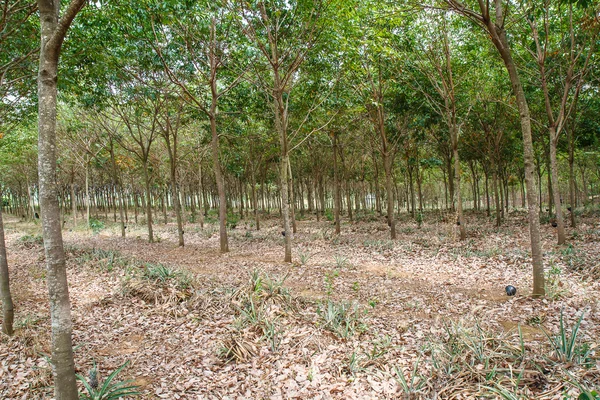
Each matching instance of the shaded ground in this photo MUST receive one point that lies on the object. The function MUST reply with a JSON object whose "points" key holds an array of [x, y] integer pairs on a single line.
{"points": [[404, 303]]}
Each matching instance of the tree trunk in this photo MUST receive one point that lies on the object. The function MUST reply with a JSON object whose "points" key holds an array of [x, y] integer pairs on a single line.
{"points": [[487, 193], [387, 159], [572, 194], [148, 203], [7, 303], [118, 189], [377, 192], [177, 206], [459, 207], [292, 202], [87, 192], [555, 187], [285, 206], [498, 36], [224, 245], [336, 187], [52, 36], [255, 201]]}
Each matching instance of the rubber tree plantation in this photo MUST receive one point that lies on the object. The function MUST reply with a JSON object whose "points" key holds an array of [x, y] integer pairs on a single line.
{"points": [[329, 199]]}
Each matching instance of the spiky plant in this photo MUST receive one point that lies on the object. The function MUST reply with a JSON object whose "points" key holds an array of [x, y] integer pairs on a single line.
{"points": [[109, 390]]}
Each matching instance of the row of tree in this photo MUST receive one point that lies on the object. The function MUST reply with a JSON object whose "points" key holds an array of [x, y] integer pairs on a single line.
{"points": [[255, 100]]}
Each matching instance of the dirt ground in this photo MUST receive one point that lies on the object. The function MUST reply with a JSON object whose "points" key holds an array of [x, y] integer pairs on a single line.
{"points": [[356, 316]]}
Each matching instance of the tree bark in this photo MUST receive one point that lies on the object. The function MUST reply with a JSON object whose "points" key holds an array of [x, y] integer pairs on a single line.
{"points": [[7, 303], [336, 186], [555, 187], [223, 242], [148, 203], [459, 207], [118, 190], [498, 37], [572, 195], [53, 33], [73, 197]]}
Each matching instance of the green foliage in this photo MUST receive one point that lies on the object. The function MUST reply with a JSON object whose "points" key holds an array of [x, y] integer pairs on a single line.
{"points": [[29, 241], [232, 220], [304, 256], [162, 274], [344, 319], [329, 214], [252, 304], [330, 281], [419, 218], [105, 259], [341, 261], [96, 225], [414, 384], [554, 289], [565, 347], [109, 390]]}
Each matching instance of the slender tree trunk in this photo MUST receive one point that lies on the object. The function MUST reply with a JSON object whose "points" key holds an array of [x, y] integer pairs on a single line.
{"points": [[461, 220], [377, 192], [201, 203], [349, 199], [336, 187], [255, 201], [500, 40], [73, 197], [224, 244], [30, 204], [412, 191], [118, 188], [292, 202], [387, 159], [148, 203], [163, 204], [487, 194], [280, 125], [497, 199], [555, 187], [177, 206], [7, 303], [572, 191], [87, 192], [550, 184], [52, 36]]}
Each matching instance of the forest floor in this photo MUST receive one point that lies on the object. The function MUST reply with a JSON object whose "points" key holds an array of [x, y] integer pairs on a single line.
{"points": [[356, 316]]}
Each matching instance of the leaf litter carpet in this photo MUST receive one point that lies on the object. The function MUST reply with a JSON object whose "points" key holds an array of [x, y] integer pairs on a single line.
{"points": [[196, 339]]}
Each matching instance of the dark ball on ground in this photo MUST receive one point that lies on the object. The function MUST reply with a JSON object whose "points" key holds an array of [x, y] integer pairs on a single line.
{"points": [[510, 290], [569, 209], [554, 224], [458, 223], [37, 216], [282, 233]]}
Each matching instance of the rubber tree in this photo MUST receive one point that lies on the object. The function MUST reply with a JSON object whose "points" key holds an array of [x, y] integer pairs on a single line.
{"points": [[7, 303], [196, 52], [54, 29], [491, 16], [138, 112], [436, 63], [283, 33], [570, 61], [170, 124]]}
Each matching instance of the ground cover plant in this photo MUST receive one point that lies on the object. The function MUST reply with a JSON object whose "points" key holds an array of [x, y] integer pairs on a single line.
{"points": [[381, 324], [299, 198]]}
